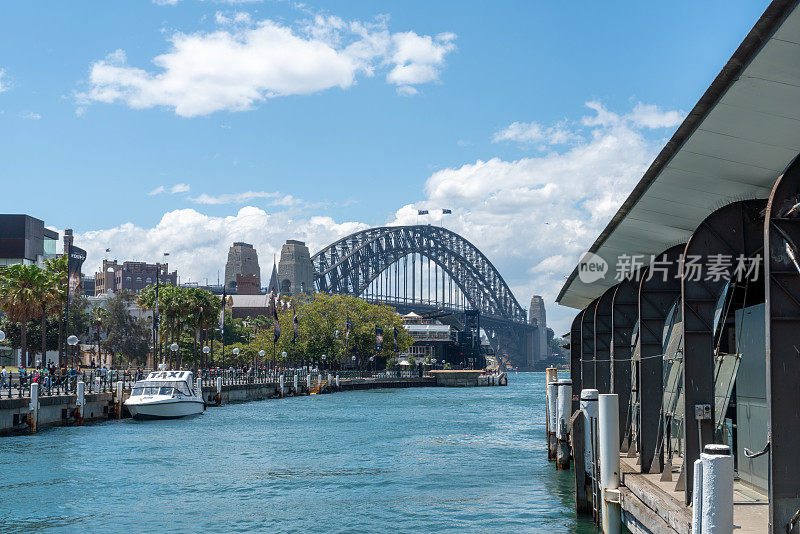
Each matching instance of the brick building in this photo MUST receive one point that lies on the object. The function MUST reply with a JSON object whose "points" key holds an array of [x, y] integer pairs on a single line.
{"points": [[131, 276]]}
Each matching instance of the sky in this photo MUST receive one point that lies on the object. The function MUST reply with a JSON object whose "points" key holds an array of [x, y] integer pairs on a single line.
{"points": [[181, 126]]}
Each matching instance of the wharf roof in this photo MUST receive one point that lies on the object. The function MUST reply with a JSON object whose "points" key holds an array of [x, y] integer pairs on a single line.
{"points": [[733, 145]]}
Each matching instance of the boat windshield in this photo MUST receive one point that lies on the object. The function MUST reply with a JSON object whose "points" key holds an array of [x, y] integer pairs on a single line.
{"points": [[157, 387]]}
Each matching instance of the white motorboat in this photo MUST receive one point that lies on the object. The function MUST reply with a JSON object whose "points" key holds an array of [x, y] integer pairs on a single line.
{"points": [[165, 395]]}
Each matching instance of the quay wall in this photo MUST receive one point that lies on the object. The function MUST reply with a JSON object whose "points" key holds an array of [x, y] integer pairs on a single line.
{"points": [[60, 410], [57, 410]]}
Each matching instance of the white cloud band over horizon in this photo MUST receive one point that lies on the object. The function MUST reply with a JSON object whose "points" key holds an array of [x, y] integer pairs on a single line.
{"points": [[533, 217]]}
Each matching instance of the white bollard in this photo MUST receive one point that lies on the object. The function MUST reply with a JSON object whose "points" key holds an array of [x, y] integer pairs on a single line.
{"points": [[81, 400], [219, 385], [308, 383], [697, 496], [563, 415], [281, 385], [717, 490], [34, 406], [589, 408], [329, 383], [552, 403], [337, 381], [295, 384], [608, 443]]}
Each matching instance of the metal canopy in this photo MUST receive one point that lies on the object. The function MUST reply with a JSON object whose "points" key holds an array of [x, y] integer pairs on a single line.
{"points": [[732, 146]]}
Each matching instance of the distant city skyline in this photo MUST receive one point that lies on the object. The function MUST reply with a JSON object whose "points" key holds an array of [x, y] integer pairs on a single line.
{"points": [[531, 121]]}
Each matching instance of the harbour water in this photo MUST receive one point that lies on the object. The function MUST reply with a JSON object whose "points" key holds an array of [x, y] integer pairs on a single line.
{"points": [[411, 460]]}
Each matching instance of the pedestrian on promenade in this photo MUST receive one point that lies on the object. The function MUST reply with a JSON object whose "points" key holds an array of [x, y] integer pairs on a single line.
{"points": [[4, 377]]}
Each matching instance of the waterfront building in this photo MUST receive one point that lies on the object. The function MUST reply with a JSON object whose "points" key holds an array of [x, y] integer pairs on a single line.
{"points": [[131, 276], [242, 259], [295, 270]]}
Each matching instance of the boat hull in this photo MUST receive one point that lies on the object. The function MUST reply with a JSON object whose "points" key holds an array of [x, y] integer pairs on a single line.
{"points": [[165, 409]]}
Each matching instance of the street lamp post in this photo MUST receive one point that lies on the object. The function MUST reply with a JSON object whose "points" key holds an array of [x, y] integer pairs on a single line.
{"points": [[174, 348], [206, 350], [283, 358], [323, 361], [72, 341]]}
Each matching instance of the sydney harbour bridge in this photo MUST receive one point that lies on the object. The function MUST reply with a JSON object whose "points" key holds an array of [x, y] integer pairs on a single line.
{"points": [[431, 271]]}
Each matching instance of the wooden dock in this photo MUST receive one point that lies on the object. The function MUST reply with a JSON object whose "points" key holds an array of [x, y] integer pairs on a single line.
{"points": [[650, 505]]}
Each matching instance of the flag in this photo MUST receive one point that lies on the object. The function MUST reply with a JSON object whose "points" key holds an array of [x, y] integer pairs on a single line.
{"points": [[295, 323], [276, 324], [395, 339], [446, 212], [422, 212]]}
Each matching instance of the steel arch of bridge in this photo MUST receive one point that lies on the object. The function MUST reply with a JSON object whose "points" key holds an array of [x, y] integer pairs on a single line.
{"points": [[350, 264]]}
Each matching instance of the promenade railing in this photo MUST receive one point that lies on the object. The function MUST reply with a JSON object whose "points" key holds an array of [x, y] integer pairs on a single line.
{"points": [[18, 385]]}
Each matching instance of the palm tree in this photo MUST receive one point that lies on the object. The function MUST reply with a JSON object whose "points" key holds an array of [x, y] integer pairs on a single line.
{"points": [[56, 269], [100, 319], [20, 298]]}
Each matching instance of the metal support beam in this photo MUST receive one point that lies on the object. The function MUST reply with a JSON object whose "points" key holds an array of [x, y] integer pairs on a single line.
{"points": [[658, 291], [587, 346], [575, 360], [602, 341], [782, 311], [624, 313], [731, 231]]}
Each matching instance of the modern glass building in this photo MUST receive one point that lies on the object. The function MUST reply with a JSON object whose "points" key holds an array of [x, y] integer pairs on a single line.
{"points": [[24, 239]]}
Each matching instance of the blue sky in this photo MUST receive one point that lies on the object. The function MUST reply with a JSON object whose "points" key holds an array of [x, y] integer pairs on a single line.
{"points": [[269, 125]]}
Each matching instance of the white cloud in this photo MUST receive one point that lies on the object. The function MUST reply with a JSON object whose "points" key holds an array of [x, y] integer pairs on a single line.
{"points": [[233, 198], [3, 84], [418, 58], [198, 243], [30, 116], [535, 216], [177, 188], [534, 133], [246, 62], [651, 116], [407, 90]]}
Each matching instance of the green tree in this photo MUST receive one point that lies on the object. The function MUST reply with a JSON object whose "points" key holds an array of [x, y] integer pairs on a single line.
{"points": [[56, 271], [127, 336], [20, 298]]}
